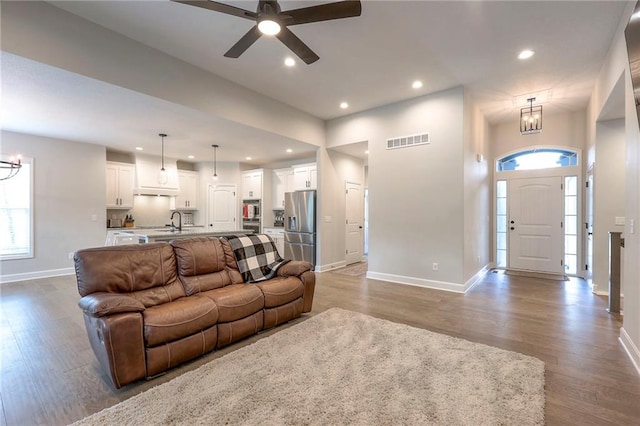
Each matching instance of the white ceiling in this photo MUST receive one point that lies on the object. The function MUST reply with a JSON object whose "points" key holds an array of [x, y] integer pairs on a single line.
{"points": [[367, 61]]}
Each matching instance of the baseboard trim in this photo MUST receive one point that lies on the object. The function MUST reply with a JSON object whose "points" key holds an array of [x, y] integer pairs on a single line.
{"points": [[418, 282], [630, 348], [476, 278], [330, 266], [5, 279]]}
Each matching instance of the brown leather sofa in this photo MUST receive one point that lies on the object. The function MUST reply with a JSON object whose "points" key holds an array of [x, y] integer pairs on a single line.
{"points": [[150, 307]]}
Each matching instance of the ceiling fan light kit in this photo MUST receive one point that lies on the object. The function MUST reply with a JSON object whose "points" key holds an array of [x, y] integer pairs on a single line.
{"points": [[271, 20]]}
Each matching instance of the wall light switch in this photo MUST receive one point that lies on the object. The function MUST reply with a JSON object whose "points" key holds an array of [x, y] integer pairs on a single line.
{"points": [[327, 219], [632, 224], [619, 221], [94, 217]]}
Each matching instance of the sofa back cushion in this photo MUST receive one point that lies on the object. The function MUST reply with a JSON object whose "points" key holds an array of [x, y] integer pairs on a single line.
{"points": [[146, 272], [204, 264]]}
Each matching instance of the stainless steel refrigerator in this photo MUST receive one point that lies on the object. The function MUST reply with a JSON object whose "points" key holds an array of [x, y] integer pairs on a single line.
{"points": [[300, 226]]}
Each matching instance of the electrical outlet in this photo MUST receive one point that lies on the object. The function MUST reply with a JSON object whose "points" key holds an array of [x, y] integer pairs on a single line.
{"points": [[435, 266], [71, 255], [94, 217]]}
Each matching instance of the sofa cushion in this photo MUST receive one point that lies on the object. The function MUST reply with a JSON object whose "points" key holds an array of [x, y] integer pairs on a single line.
{"points": [[236, 301], [280, 291], [146, 272], [202, 264], [183, 317]]}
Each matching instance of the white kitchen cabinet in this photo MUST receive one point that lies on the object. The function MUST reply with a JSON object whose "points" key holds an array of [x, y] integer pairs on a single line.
{"points": [[282, 182], [305, 177], [187, 199], [252, 185], [120, 181], [277, 235]]}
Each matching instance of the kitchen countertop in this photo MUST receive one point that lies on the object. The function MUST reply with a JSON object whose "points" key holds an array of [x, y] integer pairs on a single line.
{"points": [[166, 234]]}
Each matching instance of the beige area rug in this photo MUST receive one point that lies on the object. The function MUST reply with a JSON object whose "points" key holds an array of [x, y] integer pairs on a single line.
{"points": [[353, 270], [341, 367]]}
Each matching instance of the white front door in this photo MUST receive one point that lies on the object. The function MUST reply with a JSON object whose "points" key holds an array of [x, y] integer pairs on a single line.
{"points": [[535, 224], [354, 226], [222, 208]]}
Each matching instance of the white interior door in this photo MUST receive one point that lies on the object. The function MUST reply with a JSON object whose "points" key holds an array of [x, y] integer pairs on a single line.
{"points": [[589, 225], [355, 223], [222, 202], [535, 224]]}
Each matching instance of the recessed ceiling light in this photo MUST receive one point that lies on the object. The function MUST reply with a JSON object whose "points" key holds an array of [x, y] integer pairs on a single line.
{"points": [[526, 54], [344, 105], [191, 157], [416, 84], [289, 150], [247, 158], [289, 62], [138, 148]]}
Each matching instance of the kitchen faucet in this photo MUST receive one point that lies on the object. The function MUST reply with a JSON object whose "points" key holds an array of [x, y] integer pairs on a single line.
{"points": [[179, 220]]}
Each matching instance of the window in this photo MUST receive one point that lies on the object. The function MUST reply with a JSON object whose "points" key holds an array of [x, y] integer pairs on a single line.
{"points": [[501, 223], [16, 214], [538, 158], [571, 224]]}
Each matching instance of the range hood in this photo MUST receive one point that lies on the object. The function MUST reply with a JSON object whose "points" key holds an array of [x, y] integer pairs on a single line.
{"points": [[147, 169]]}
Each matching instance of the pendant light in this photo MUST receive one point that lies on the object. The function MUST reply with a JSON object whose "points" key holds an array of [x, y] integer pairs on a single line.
{"points": [[162, 176], [531, 118], [215, 162]]}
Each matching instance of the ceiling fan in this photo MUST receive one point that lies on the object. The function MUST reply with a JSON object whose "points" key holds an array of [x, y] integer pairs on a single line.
{"points": [[271, 20]]}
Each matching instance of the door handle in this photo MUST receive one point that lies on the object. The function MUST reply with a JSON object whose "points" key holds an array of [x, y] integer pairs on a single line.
{"points": [[589, 233], [513, 228]]}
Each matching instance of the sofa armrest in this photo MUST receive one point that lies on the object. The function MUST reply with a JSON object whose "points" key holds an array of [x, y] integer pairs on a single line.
{"points": [[102, 304], [294, 268]]}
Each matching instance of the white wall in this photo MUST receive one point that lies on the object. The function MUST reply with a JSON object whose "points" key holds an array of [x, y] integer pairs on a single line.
{"points": [[416, 194], [617, 63], [477, 191], [69, 188], [559, 129], [609, 195]]}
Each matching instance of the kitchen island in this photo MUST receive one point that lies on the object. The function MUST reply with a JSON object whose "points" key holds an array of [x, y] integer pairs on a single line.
{"points": [[149, 235]]}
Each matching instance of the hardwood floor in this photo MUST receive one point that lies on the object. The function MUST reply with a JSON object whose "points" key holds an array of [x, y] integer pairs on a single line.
{"points": [[49, 375]]}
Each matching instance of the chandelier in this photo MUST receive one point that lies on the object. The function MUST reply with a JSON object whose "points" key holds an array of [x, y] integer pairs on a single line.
{"points": [[531, 118], [9, 168]]}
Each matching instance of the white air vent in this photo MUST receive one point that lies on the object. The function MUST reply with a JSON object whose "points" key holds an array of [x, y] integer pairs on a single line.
{"points": [[407, 141]]}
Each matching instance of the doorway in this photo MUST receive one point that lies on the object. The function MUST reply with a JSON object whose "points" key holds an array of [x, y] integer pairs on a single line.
{"points": [[354, 228], [537, 211], [221, 208]]}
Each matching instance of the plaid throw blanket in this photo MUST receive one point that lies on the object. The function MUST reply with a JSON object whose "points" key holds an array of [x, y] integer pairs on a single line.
{"points": [[256, 255]]}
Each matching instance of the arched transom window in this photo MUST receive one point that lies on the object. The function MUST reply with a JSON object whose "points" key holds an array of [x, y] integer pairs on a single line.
{"points": [[537, 158]]}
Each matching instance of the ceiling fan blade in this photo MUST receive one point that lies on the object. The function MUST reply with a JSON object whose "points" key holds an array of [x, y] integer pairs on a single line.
{"points": [[323, 12], [220, 7], [244, 43], [297, 46]]}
